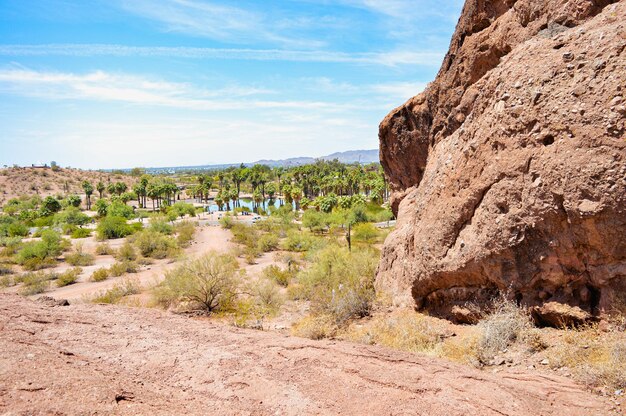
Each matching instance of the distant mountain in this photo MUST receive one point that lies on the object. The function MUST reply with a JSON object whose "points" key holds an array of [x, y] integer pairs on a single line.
{"points": [[350, 156]]}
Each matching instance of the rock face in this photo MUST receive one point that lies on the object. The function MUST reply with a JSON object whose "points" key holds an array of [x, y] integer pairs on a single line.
{"points": [[509, 171]]}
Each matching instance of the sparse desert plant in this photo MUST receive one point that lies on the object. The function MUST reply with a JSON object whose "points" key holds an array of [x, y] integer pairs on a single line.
{"points": [[36, 255], [278, 275], [126, 252], [503, 326], [155, 245], [340, 283], [209, 283], [315, 327], [227, 222], [35, 283], [122, 267], [81, 233], [104, 249], [125, 288], [267, 242], [365, 232], [267, 296], [596, 358], [160, 224], [79, 257], [68, 277], [298, 241], [184, 233], [99, 275]]}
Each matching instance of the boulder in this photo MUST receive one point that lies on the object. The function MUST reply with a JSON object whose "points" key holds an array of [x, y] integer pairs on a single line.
{"points": [[508, 173]]}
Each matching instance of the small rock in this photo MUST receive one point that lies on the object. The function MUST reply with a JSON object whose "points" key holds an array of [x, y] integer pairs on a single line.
{"points": [[545, 361], [619, 392], [568, 57]]}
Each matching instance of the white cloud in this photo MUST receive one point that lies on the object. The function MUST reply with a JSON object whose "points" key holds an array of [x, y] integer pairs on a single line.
{"points": [[132, 89], [216, 21], [391, 58]]}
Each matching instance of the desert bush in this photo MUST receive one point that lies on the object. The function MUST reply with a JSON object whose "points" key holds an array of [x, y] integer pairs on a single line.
{"points": [[68, 277], [155, 245], [278, 275], [79, 257], [5, 269], [126, 252], [112, 227], [99, 275], [209, 283], [365, 232], [122, 267], [502, 327], [35, 283], [184, 233], [340, 283], [298, 241], [267, 296], [81, 233], [125, 288], [36, 255], [244, 234], [316, 221], [267, 243], [119, 209], [71, 216], [227, 222], [315, 327], [104, 249], [160, 224]]}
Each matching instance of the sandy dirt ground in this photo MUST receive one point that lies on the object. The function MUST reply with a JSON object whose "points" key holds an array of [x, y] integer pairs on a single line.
{"points": [[99, 359]]}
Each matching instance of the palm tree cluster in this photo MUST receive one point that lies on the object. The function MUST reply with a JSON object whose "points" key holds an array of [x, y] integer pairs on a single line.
{"points": [[324, 184]]}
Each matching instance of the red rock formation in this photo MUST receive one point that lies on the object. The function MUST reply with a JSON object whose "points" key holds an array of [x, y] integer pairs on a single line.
{"points": [[508, 172]]}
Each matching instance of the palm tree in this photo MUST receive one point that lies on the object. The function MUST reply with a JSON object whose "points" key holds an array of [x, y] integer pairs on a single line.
{"points": [[88, 188], [100, 188]]}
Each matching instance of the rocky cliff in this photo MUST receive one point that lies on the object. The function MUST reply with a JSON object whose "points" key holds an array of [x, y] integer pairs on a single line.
{"points": [[508, 172]]}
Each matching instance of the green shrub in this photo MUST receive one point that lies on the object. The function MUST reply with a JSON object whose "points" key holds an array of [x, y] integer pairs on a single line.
{"points": [[298, 241], [17, 229], [209, 283], [69, 277], [340, 283], [155, 245], [119, 209], [116, 293], [79, 257], [278, 275], [81, 233], [126, 252], [315, 220], [365, 232], [104, 249], [112, 227], [36, 255], [161, 225], [71, 216], [123, 267], [99, 275], [35, 283], [244, 234], [227, 222], [267, 243], [267, 297], [184, 233]]}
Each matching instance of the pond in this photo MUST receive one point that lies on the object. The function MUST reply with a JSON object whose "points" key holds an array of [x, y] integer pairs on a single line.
{"points": [[247, 202]]}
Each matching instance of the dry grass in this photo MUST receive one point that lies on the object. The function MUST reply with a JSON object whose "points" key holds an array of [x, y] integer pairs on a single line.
{"points": [[596, 358], [315, 327]]}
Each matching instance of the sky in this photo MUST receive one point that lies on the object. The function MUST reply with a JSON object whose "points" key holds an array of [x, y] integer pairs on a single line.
{"points": [[144, 83]]}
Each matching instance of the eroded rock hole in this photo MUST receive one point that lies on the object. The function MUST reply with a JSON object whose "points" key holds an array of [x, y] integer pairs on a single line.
{"points": [[548, 140]]}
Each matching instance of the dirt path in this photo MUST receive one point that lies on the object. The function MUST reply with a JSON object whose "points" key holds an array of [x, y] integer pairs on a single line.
{"points": [[85, 359], [207, 238]]}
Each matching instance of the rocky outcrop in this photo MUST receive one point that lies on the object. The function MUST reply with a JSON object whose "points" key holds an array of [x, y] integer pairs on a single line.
{"points": [[509, 171]]}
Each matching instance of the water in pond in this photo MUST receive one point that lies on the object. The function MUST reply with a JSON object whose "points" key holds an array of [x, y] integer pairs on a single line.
{"points": [[247, 202]]}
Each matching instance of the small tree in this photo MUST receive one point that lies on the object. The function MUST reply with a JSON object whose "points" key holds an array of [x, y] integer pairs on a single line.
{"points": [[88, 188], [209, 282]]}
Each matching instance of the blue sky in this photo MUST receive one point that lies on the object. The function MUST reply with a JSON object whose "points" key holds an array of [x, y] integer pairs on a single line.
{"points": [[124, 83]]}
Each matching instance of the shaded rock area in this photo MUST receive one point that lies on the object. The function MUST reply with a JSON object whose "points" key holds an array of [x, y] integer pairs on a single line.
{"points": [[99, 359], [509, 171]]}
